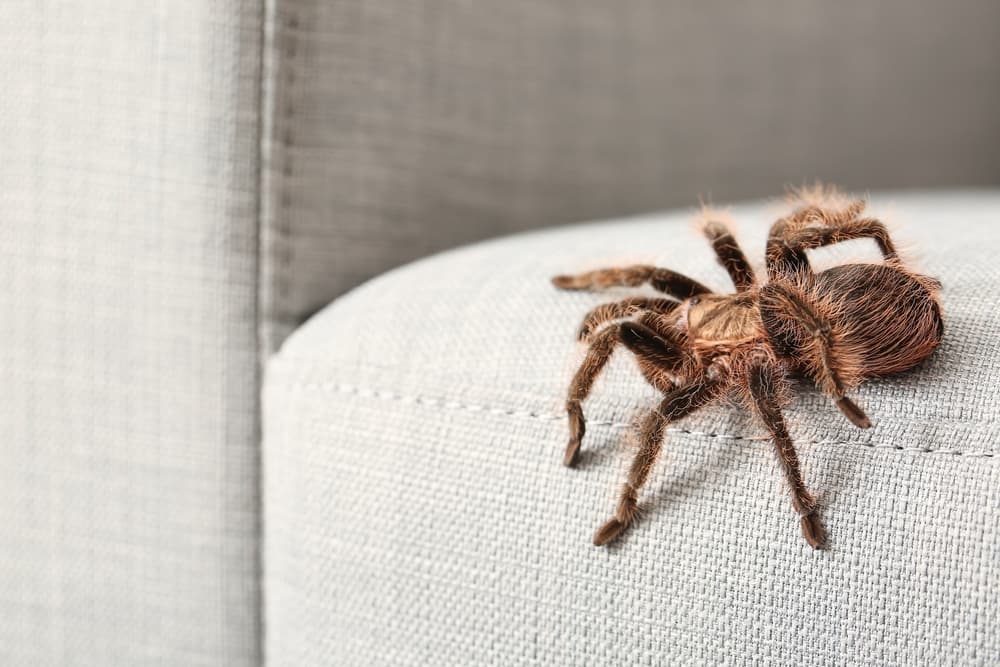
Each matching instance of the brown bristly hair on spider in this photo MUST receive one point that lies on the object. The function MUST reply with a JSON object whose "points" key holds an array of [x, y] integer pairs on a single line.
{"points": [[836, 327]]}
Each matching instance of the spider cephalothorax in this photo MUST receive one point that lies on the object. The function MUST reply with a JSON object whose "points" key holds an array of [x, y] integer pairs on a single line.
{"points": [[836, 327]]}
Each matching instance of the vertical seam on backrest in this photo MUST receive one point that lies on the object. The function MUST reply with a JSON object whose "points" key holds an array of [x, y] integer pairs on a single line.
{"points": [[278, 50]]}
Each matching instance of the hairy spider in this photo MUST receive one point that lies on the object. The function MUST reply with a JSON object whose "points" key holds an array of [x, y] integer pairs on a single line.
{"points": [[837, 327]]}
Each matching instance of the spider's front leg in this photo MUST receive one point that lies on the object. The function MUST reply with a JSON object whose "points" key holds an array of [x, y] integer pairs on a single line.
{"points": [[616, 310], [763, 379], [657, 349], [677, 404], [729, 253], [669, 282]]}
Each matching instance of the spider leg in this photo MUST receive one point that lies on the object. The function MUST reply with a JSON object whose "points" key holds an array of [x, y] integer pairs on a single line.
{"points": [[617, 310], [764, 379], [787, 243], [657, 350], [678, 403], [825, 362], [818, 205], [831, 213], [730, 255], [669, 282]]}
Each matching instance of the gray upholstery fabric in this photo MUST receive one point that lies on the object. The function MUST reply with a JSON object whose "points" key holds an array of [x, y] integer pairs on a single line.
{"points": [[128, 259], [417, 511], [400, 127]]}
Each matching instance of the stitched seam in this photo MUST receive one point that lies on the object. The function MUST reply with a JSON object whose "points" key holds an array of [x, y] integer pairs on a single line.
{"points": [[259, 306], [446, 404], [277, 53]]}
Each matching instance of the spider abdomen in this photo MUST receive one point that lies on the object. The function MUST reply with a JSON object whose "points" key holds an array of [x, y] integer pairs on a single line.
{"points": [[877, 319]]}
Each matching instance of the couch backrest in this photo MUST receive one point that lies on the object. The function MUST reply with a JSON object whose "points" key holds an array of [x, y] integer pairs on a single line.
{"points": [[401, 127]]}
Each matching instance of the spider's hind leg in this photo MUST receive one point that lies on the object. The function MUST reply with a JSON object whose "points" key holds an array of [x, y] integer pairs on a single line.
{"points": [[659, 353], [788, 307], [787, 243]]}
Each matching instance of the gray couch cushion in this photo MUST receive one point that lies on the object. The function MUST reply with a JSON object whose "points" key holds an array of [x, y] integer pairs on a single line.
{"points": [[417, 511]]}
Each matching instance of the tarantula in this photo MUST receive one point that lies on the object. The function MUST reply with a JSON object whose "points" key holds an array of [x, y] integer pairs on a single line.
{"points": [[836, 327]]}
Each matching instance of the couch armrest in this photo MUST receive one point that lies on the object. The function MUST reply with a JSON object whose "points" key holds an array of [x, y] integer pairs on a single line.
{"points": [[417, 510], [128, 260]]}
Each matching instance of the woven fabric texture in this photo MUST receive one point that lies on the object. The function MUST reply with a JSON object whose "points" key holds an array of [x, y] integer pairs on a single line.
{"points": [[417, 510], [401, 127], [128, 259]]}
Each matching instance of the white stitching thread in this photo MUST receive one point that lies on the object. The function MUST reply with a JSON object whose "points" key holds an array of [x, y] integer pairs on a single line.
{"points": [[386, 395]]}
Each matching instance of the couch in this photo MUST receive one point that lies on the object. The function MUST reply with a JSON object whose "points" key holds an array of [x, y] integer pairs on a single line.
{"points": [[192, 477]]}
